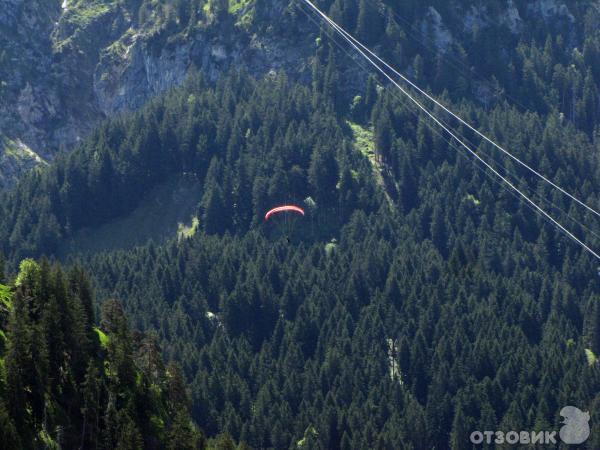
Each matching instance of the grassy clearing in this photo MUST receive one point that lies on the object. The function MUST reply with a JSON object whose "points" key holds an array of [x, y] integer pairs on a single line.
{"points": [[122, 45], [157, 217], [184, 231], [473, 199], [236, 5], [84, 12], [104, 339], [79, 14], [364, 141], [5, 296], [242, 9], [18, 151], [591, 358]]}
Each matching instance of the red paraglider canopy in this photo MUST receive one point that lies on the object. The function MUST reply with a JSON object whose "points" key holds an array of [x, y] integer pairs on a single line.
{"points": [[284, 208]]}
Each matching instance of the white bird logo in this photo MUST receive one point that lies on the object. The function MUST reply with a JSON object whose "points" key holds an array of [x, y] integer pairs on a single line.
{"points": [[576, 428]]}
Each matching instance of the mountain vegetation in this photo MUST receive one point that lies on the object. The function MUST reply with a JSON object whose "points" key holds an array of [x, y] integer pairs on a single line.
{"points": [[66, 65], [417, 300], [66, 383]]}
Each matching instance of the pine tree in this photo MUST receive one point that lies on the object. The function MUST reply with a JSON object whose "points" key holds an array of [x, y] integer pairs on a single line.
{"points": [[383, 135], [224, 442], [369, 24], [371, 95], [593, 325], [182, 435], [20, 368], [2, 269], [438, 231], [120, 351], [408, 187], [322, 174], [214, 215], [91, 410], [179, 399], [331, 81], [129, 436], [8, 432], [459, 439]]}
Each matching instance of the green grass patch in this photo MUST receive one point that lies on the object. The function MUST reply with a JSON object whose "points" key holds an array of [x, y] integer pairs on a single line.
{"points": [[364, 140], [473, 199], [591, 358], [157, 218], [19, 152], [104, 339], [47, 441], [120, 46], [187, 231], [5, 296], [330, 247], [80, 14], [236, 5], [84, 12]]}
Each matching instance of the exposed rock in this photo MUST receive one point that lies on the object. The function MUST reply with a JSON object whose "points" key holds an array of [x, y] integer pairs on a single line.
{"points": [[15, 157], [549, 9], [9, 10], [134, 70], [433, 25], [74, 63], [478, 16], [512, 18]]}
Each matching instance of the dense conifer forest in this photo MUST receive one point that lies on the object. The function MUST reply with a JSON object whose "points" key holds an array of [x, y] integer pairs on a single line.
{"points": [[416, 301], [67, 383]]}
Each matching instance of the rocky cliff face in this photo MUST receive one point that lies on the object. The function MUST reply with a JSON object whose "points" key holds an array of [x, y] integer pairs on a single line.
{"points": [[25, 56], [78, 62], [67, 64], [143, 63]]}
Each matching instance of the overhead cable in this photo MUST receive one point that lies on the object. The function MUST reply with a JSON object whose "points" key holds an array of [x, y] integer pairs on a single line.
{"points": [[359, 48], [355, 43]]}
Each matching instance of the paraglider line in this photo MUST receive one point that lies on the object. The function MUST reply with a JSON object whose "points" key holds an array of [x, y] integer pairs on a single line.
{"points": [[345, 35], [354, 42]]}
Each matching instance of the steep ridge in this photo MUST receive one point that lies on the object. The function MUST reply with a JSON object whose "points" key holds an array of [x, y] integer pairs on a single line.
{"points": [[67, 383], [78, 64], [67, 65], [416, 317]]}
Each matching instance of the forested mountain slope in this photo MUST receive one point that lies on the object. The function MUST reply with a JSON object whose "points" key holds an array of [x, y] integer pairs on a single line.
{"points": [[65, 383], [453, 309], [416, 300], [249, 143], [66, 65], [443, 305]]}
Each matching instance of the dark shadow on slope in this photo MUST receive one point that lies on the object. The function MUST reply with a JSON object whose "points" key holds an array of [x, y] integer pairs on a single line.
{"points": [[158, 217]]}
